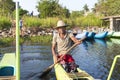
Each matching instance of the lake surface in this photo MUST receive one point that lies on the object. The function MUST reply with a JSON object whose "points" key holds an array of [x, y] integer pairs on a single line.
{"points": [[95, 57]]}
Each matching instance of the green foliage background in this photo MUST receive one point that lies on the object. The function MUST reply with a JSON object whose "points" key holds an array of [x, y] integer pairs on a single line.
{"points": [[50, 11]]}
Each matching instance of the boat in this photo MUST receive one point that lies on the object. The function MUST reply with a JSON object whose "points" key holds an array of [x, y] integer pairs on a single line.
{"points": [[90, 35], [7, 67], [101, 35], [116, 35], [81, 35], [115, 40], [61, 74], [109, 35]]}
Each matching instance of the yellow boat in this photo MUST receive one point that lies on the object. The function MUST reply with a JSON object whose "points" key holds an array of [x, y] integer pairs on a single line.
{"points": [[61, 74], [7, 67]]}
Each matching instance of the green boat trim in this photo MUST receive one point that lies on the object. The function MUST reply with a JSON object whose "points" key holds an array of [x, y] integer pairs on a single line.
{"points": [[7, 65], [115, 40], [61, 74], [116, 34]]}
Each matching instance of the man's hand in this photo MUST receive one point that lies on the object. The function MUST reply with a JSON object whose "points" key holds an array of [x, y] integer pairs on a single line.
{"points": [[78, 42], [55, 58]]}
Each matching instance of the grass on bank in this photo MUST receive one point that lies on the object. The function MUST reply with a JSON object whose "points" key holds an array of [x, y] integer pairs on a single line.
{"points": [[82, 21], [43, 39], [6, 41]]}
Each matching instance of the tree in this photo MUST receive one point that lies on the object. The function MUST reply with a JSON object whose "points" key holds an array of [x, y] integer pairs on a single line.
{"points": [[108, 7], [7, 6], [86, 9], [76, 14], [22, 12], [66, 13], [51, 8]]}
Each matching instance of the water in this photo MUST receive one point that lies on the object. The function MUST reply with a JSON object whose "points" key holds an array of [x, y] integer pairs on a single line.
{"points": [[95, 57]]}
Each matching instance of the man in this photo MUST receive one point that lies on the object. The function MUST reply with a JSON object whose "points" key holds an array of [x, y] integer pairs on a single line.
{"points": [[21, 26], [20, 23], [62, 41]]}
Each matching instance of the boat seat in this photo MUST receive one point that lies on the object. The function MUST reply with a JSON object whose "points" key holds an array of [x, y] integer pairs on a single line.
{"points": [[7, 77], [79, 76]]}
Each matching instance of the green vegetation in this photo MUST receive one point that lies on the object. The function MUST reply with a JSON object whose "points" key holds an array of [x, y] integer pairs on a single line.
{"points": [[51, 11], [5, 22], [43, 23], [43, 39], [90, 20], [107, 7], [7, 7], [82, 21], [51, 8], [6, 41]]}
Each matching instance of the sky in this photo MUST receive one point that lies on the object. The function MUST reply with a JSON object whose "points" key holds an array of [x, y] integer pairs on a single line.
{"points": [[72, 5]]}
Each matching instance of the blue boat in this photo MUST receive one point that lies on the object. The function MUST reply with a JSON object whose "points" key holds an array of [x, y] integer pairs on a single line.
{"points": [[101, 35], [79, 36], [91, 35]]}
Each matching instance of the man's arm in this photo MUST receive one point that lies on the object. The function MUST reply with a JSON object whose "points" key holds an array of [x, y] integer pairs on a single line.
{"points": [[75, 40]]}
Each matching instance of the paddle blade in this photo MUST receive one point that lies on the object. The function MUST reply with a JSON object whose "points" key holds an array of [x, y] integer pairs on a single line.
{"points": [[45, 72]]}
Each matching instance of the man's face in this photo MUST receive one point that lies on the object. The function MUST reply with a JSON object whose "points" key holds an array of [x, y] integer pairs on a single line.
{"points": [[61, 30]]}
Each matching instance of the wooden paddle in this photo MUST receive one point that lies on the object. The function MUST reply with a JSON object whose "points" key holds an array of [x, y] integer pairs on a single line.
{"points": [[47, 70]]}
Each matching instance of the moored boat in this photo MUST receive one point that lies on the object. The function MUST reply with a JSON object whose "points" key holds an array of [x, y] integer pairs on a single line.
{"points": [[90, 35], [110, 34], [81, 35], [116, 34], [115, 40], [61, 74], [7, 67], [101, 35]]}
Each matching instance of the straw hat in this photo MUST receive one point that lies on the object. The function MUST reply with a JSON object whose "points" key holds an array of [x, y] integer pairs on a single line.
{"points": [[60, 23]]}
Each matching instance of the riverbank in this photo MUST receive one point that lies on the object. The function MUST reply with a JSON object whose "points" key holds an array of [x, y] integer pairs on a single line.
{"points": [[37, 31], [42, 39]]}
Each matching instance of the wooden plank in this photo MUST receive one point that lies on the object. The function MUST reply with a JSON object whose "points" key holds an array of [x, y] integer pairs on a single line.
{"points": [[7, 78], [78, 74]]}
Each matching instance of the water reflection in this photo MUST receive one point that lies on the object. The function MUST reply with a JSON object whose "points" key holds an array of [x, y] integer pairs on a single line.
{"points": [[96, 57], [34, 59], [102, 42]]}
